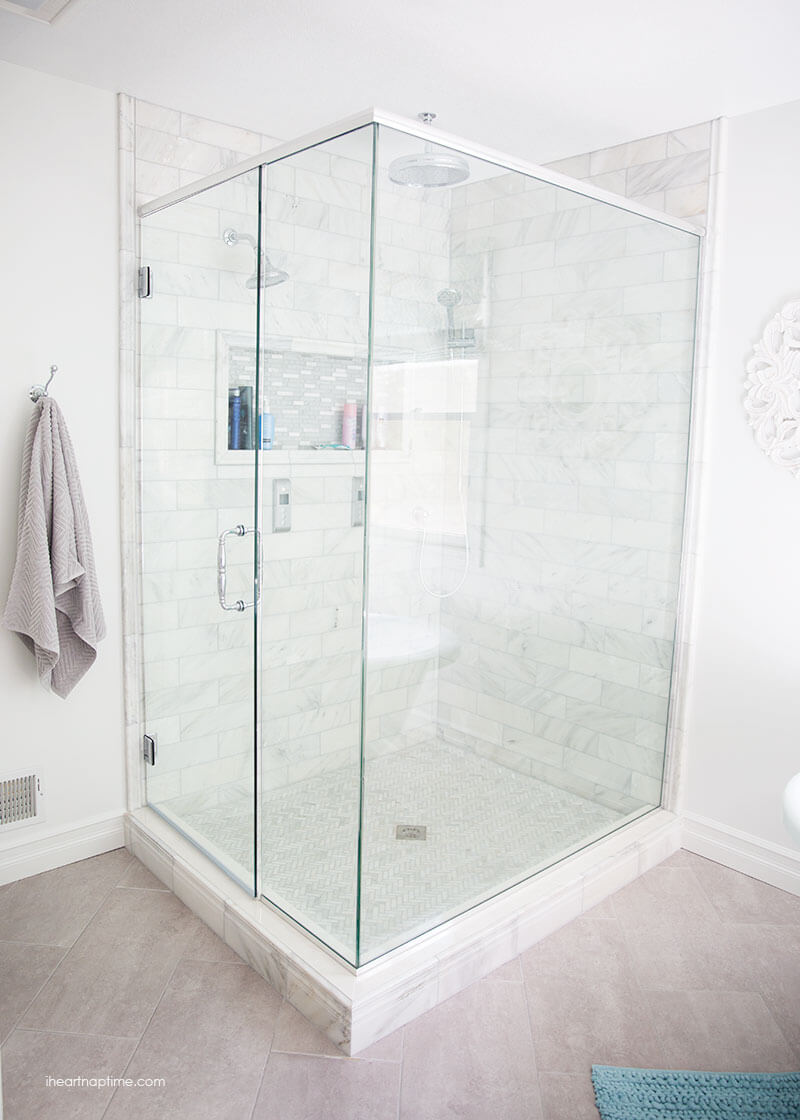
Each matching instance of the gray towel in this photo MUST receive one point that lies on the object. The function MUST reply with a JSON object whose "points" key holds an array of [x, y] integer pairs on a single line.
{"points": [[54, 603]]}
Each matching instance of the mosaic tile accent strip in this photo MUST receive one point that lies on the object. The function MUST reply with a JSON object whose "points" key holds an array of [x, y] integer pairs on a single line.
{"points": [[305, 392], [487, 828]]}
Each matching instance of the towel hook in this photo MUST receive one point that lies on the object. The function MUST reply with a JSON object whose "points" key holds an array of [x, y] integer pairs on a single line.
{"points": [[39, 391]]}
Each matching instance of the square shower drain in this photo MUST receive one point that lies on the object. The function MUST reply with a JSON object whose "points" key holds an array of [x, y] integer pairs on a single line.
{"points": [[411, 832]]}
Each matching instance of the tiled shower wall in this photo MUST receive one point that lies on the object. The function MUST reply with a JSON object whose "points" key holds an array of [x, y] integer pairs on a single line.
{"points": [[578, 470], [576, 489], [310, 665], [669, 172]]}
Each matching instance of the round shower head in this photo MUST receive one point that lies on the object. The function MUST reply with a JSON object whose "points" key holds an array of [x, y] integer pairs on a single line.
{"points": [[449, 297], [270, 275], [435, 167], [429, 169]]}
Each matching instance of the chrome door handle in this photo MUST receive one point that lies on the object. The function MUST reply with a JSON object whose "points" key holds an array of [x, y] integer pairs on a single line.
{"points": [[222, 569]]}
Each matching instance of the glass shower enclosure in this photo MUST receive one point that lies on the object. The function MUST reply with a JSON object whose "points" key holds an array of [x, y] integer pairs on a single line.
{"points": [[413, 450]]}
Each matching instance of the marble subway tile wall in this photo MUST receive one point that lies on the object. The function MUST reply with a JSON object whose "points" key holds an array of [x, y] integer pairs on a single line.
{"points": [[577, 475], [669, 171]]}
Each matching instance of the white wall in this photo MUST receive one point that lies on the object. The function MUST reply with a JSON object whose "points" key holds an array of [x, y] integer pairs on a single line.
{"points": [[744, 717], [58, 303]]}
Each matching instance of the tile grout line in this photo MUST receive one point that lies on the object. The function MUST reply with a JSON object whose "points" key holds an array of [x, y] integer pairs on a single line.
{"points": [[267, 1057], [67, 950], [402, 1064], [77, 1034], [147, 1024], [533, 1039], [15, 1026], [336, 1057]]}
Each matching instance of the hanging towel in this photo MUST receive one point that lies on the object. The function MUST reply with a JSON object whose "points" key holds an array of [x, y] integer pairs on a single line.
{"points": [[54, 603]]}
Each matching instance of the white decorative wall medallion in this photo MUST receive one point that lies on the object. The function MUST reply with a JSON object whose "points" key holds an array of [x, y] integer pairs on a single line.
{"points": [[772, 397]]}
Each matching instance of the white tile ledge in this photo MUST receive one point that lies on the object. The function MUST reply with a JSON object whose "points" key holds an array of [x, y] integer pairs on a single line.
{"points": [[355, 1008]]}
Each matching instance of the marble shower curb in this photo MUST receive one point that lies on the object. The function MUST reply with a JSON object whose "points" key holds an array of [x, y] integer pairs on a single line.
{"points": [[356, 1007]]}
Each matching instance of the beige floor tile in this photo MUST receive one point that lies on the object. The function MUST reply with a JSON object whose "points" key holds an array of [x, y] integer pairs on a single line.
{"points": [[577, 1022], [508, 973], [685, 956], [209, 1039], [587, 948], [204, 945], [676, 938], [54, 908], [779, 985], [719, 1031], [295, 1035], [567, 1096], [664, 890], [113, 977], [305, 1087], [471, 1057], [29, 1057], [23, 969], [137, 875], [738, 898]]}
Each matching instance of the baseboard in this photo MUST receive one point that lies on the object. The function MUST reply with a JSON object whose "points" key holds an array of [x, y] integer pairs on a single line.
{"points": [[47, 852], [760, 859]]}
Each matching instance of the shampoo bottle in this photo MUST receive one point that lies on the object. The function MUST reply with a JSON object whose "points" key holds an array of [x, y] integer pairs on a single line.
{"points": [[349, 424], [236, 419], [266, 431]]}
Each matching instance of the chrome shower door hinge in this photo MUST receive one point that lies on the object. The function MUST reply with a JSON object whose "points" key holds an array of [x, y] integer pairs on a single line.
{"points": [[144, 286], [149, 749]]}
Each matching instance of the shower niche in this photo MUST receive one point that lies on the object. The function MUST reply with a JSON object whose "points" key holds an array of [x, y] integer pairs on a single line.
{"points": [[308, 389], [440, 673]]}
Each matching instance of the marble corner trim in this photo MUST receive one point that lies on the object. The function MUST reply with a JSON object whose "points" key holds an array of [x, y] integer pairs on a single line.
{"points": [[704, 358], [128, 322], [356, 1007], [48, 852], [760, 859]]}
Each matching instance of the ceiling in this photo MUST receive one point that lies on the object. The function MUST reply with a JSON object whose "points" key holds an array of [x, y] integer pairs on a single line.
{"points": [[537, 80]]}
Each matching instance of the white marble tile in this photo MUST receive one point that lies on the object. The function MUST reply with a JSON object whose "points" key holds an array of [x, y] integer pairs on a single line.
{"points": [[688, 202], [676, 171], [153, 179], [649, 150], [220, 135], [695, 138], [675, 295], [608, 245]]}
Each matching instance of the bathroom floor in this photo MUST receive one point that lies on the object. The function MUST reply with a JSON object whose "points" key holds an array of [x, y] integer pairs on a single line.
{"points": [[517, 825], [107, 974]]}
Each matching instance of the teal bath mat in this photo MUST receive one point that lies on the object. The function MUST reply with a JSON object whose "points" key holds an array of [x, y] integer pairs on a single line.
{"points": [[660, 1094]]}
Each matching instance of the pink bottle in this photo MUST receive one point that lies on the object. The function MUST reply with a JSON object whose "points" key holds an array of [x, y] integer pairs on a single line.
{"points": [[349, 424]]}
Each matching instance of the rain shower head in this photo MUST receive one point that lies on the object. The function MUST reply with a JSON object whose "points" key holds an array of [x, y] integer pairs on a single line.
{"points": [[270, 275], [431, 168]]}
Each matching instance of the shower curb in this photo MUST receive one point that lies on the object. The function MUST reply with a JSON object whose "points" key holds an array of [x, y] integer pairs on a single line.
{"points": [[356, 1007]]}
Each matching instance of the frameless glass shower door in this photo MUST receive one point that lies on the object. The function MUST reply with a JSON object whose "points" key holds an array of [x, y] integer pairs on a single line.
{"points": [[314, 357], [198, 430]]}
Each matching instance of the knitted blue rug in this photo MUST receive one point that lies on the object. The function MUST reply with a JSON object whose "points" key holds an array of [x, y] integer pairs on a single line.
{"points": [[660, 1094]]}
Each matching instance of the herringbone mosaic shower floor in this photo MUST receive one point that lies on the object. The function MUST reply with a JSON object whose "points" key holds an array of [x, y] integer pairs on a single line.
{"points": [[487, 827]]}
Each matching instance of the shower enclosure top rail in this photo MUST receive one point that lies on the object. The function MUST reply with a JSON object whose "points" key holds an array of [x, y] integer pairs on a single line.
{"points": [[427, 133]]}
